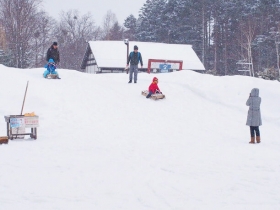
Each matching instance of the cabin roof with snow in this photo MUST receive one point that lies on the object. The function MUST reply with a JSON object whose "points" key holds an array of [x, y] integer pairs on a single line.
{"points": [[113, 54]]}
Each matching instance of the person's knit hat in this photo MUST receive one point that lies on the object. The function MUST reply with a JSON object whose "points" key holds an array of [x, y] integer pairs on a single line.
{"points": [[135, 47], [55, 43], [155, 79], [51, 60]]}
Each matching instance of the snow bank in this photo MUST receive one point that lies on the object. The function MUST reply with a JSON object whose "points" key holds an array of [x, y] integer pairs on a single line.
{"points": [[102, 145]]}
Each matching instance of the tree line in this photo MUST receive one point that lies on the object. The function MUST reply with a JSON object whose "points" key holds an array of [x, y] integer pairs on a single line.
{"points": [[27, 31], [227, 35]]}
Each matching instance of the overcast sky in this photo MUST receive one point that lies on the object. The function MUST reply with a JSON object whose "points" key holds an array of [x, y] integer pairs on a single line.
{"points": [[98, 8]]}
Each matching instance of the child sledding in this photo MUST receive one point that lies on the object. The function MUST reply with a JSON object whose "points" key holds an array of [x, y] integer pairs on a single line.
{"points": [[154, 91], [50, 72]]}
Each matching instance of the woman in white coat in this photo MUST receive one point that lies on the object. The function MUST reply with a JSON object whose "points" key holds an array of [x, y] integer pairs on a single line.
{"points": [[254, 119]]}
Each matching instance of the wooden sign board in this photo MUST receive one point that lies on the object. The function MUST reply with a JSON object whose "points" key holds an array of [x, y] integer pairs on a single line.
{"points": [[17, 122], [31, 122]]}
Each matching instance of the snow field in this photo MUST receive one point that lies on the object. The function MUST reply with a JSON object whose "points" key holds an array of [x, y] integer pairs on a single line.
{"points": [[102, 145]]}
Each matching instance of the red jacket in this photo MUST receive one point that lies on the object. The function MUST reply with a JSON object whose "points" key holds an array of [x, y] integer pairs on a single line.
{"points": [[153, 87]]}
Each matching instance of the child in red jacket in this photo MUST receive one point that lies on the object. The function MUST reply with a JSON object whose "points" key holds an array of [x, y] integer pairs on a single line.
{"points": [[153, 88]]}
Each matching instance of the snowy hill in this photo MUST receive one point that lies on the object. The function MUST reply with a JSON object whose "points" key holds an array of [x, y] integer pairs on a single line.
{"points": [[102, 145]]}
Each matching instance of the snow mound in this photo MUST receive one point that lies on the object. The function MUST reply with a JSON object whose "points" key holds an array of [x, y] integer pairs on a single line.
{"points": [[102, 145]]}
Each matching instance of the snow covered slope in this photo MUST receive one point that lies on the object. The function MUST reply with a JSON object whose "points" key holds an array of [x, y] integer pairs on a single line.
{"points": [[102, 145]]}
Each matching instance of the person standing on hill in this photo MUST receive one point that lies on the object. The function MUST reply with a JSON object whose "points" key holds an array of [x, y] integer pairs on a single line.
{"points": [[254, 119], [134, 58], [53, 53]]}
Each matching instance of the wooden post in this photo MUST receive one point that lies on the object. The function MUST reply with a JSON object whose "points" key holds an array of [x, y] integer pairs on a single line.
{"points": [[24, 98], [126, 41], [127, 52], [23, 103]]}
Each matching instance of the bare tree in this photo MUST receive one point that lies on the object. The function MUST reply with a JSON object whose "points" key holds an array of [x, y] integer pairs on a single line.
{"points": [[19, 18], [248, 30], [98, 33], [73, 33], [42, 38], [108, 22], [3, 42], [275, 36]]}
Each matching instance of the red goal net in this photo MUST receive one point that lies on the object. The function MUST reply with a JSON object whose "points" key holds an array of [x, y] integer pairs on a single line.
{"points": [[162, 66]]}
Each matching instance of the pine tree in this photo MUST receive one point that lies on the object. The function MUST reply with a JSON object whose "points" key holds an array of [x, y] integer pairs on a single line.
{"points": [[116, 32], [130, 24], [221, 32], [150, 25]]}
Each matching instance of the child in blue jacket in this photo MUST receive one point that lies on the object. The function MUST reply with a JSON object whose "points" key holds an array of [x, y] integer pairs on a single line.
{"points": [[50, 68]]}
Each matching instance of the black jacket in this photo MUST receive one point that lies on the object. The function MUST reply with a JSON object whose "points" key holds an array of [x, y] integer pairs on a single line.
{"points": [[54, 54]]}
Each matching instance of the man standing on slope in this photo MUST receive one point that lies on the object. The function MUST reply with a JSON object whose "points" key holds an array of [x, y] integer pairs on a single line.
{"points": [[53, 53], [134, 58]]}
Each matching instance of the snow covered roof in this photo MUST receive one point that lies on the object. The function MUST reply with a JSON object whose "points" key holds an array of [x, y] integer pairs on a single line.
{"points": [[112, 54]]}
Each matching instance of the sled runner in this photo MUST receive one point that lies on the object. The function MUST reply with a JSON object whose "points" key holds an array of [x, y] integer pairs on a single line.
{"points": [[155, 96], [52, 76]]}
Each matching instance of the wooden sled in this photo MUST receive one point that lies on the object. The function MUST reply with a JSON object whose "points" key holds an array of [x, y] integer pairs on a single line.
{"points": [[155, 96], [4, 139], [52, 76]]}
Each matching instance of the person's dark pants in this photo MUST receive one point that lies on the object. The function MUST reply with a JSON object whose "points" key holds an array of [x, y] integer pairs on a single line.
{"points": [[149, 95], [254, 129], [133, 70]]}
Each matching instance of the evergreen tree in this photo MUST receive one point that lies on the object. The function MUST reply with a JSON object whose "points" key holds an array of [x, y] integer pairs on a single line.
{"points": [[116, 32], [130, 25], [221, 32], [150, 25]]}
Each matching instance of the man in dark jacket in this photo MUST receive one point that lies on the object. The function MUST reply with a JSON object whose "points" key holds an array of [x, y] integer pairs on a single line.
{"points": [[134, 58], [53, 53]]}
